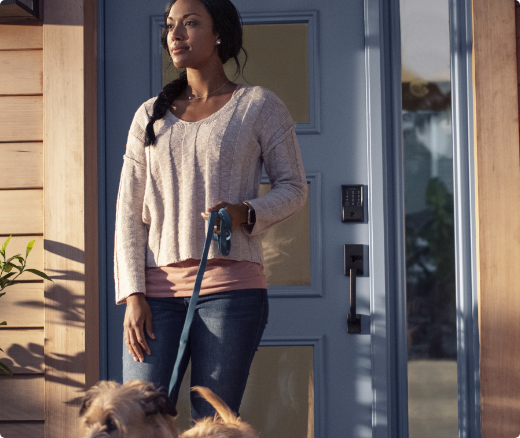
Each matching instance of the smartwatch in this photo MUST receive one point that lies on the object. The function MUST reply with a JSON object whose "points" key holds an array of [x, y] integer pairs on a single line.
{"points": [[251, 216]]}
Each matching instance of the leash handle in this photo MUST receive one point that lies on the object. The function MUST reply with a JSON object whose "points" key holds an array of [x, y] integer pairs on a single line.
{"points": [[224, 238], [224, 245]]}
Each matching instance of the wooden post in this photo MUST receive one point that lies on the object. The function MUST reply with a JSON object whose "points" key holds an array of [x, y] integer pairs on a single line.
{"points": [[70, 205], [498, 214]]}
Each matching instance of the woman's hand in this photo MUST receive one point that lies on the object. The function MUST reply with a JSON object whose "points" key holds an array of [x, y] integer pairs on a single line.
{"points": [[237, 214], [138, 317]]}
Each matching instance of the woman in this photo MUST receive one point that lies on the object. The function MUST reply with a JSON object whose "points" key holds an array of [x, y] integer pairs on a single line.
{"points": [[198, 147]]}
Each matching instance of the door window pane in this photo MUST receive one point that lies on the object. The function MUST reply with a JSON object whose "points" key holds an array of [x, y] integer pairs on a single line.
{"points": [[428, 166], [287, 248], [279, 397], [285, 71]]}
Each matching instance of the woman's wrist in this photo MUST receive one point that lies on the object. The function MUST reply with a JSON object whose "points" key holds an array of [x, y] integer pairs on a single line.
{"points": [[134, 298]]}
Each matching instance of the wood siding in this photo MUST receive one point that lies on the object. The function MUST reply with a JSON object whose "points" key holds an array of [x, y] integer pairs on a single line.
{"points": [[21, 72], [22, 211], [70, 199], [21, 118], [24, 165], [21, 198], [498, 214]]}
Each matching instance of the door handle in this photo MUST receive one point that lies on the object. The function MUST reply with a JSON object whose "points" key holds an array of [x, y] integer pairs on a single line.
{"points": [[353, 267]]}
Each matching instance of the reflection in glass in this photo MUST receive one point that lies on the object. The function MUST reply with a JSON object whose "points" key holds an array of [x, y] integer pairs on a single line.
{"points": [[287, 248], [285, 71], [430, 263], [279, 397]]}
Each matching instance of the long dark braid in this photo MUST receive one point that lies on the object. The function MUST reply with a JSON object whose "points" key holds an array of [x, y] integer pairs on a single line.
{"points": [[163, 102]]}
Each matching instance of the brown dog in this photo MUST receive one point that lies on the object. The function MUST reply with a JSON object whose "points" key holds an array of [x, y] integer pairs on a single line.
{"points": [[225, 424], [138, 410], [133, 410]]}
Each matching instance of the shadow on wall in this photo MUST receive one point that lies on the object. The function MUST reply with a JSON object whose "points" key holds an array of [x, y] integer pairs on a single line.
{"points": [[28, 356], [30, 353]]}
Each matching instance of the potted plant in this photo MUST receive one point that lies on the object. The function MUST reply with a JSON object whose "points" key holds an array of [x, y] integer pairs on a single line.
{"points": [[10, 270]]}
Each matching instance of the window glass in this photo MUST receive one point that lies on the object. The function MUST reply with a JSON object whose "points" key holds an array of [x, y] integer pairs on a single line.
{"points": [[285, 71], [279, 397], [430, 270]]}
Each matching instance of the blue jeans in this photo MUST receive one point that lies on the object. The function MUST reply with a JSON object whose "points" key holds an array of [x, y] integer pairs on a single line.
{"points": [[226, 331]]}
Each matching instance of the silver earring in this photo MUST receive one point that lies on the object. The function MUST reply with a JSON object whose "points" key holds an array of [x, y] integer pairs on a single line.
{"points": [[218, 41]]}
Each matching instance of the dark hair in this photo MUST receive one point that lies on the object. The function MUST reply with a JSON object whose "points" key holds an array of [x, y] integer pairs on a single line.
{"points": [[227, 25]]}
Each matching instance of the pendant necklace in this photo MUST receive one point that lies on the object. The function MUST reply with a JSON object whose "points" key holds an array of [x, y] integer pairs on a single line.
{"points": [[209, 94]]}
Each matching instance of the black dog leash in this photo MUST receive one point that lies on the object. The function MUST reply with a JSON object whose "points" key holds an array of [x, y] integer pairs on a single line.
{"points": [[224, 246]]}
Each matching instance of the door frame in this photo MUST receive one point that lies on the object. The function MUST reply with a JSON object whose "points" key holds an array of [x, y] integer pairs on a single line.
{"points": [[464, 177], [386, 212], [387, 130]]}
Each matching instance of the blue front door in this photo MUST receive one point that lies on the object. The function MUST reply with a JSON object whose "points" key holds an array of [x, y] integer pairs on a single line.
{"points": [[339, 129]]}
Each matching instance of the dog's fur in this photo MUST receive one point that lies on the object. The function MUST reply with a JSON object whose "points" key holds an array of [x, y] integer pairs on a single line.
{"points": [[225, 424], [138, 410], [133, 410]]}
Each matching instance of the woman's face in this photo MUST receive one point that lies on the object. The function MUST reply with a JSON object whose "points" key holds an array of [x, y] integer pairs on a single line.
{"points": [[191, 41]]}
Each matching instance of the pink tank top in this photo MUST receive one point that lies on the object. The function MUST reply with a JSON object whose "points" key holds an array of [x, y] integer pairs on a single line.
{"points": [[177, 279]]}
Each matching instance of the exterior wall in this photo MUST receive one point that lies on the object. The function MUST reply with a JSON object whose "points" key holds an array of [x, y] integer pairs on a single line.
{"points": [[498, 214], [51, 341], [21, 214]]}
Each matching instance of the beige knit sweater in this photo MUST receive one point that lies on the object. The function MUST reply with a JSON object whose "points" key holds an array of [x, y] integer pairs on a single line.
{"points": [[192, 166]]}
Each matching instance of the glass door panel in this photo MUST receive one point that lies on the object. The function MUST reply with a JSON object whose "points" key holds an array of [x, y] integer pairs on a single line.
{"points": [[285, 71], [428, 166], [287, 248], [279, 397]]}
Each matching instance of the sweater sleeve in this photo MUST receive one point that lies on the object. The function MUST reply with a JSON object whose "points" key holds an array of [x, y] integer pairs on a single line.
{"points": [[283, 165], [131, 234]]}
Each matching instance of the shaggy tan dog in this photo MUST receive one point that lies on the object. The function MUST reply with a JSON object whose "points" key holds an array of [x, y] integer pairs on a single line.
{"points": [[225, 424], [133, 410], [138, 410]]}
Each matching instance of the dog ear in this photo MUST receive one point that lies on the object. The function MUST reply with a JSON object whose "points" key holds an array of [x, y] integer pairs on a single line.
{"points": [[89, 396], [157, 402], [93, 392]]}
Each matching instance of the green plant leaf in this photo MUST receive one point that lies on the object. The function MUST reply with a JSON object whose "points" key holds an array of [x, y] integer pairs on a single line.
{"points": [[29, 247], [4, 281], [4, 246], [5, 369], [2, 294], [8, 267], [19, 268], [7, 276], [3, 323], [38, 273], [19, 258], [10, 259]]}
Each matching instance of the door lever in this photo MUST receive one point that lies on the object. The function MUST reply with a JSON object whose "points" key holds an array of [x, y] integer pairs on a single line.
{"points": [[353, 267]]}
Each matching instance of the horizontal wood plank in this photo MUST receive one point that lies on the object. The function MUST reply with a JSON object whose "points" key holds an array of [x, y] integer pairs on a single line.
{"points": [[23, 350], [22, 305], [21, 118], [22, 398], [23, 165], [21, 36], [22, 429], [22, 212], [21, 72]]}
